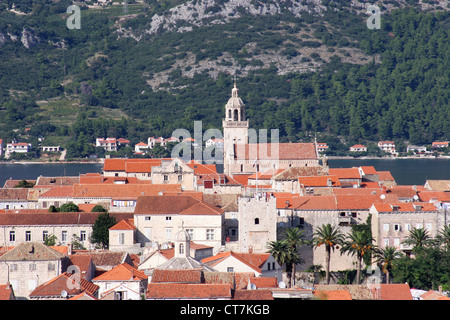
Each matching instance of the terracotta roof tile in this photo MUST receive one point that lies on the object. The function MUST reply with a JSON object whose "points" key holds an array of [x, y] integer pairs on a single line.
{"points": [[345, 173], [107, 259], [66, 282], [177, 276], [13, 194], [130, 165], [253, 260], [319, 181], [294, 173], [182, 290], [57, 181], [59, 192], [122, 272], [275, 151], [121, 190], [55, 218], [6, 292], [187, 205], [32, 251], [125, 224], [385, 176], [405, 207], [333, 295], [258, 294], [397, 291]]}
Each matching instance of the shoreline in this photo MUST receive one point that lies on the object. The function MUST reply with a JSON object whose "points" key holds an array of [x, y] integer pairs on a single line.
{"points": [[102, 160], [51, 162], [385, 158]]}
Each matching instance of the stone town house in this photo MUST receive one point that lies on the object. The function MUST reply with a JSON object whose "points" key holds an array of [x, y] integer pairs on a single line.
{"points": [[30, 264]]}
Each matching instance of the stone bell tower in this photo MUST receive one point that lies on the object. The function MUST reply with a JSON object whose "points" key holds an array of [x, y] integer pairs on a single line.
{"points": [[235, 128]]}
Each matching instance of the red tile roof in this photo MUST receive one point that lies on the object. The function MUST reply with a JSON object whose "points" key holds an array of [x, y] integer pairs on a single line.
{"points": [[64, 282], [385, 176], [345, 173], [200, 168], [130, 165], [55, 218], [333, 295], [368, 170], [183, 290], [332, 202], [121, 190], [253, 260], [177, 276], [125, 224], [398, 291], [258, 294], [6, 291], [275, 151], [405, 207], [122, 272], [179, 204], [319, 181], [428, 196]]}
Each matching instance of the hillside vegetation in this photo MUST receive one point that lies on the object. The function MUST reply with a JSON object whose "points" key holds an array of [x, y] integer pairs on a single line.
{"points": [[306, 67]]}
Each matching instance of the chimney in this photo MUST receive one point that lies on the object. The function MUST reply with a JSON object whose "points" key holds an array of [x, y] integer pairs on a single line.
{"points": [[250, 249], [69, 249]]}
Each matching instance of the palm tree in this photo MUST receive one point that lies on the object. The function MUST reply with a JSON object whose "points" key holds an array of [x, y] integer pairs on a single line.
{"points": [[359, 243], [330, 237], [278, 249], [386, 257], [294, 239], [443, 237], [418, 238]]}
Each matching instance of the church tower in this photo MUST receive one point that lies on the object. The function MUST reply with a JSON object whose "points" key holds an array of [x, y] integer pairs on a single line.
{"points": [[235, 127]]}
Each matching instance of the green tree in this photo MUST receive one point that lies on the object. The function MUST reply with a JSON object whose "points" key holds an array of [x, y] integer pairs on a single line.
{"points": [[386, 258], [278, 250], [443, 237], [50, 240], [69, 207], [418, 238], [294, 238], [24, 184], [330, 237], [100, 229], [98, 208], [358, 244]]}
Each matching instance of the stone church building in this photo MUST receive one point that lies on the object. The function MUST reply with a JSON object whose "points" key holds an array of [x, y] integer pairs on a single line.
{"points": [[243, 155]]}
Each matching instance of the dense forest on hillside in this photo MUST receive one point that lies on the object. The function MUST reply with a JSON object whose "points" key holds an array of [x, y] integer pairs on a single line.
{"points": [[72, 86]]}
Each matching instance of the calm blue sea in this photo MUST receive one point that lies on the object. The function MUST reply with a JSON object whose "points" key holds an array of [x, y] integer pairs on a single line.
{"points": [[405, 171]]}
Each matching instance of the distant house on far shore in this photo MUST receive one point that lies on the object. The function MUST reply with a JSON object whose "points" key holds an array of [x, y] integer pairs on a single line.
{"points": [[387, 146], [358, 148], [439, 144]]}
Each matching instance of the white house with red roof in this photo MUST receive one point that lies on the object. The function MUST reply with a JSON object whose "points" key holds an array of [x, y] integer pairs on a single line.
{"points": [[17, 147], [159, 218], [123, 282], [358, 148], [260, 264], [141, 148], [439, 144], [392, 222], [387, 146], [321, 146], [109, 144]]}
